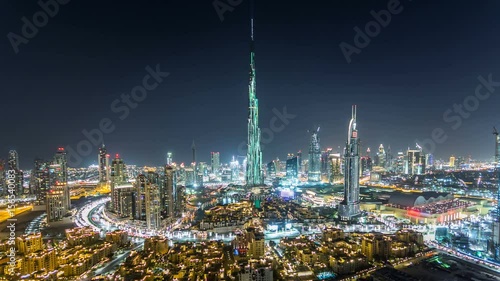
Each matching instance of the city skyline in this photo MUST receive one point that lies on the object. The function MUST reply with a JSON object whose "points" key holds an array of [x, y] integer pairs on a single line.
{"points": [[399, 108], [229, 140]]}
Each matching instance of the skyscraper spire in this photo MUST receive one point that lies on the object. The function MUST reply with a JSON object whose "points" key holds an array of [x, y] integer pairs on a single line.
{"points": [[254, 154], [251, 31]]}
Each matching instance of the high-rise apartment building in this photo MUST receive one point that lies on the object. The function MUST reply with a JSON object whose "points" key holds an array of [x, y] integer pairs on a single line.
{"points": [[314, 173], [169, 192], [215, 159], [292, 168], [118, 177], [13, 165], [58, 200], [104, 169]]}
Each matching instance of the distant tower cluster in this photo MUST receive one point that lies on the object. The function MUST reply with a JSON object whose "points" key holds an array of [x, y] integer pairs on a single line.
{"points": [[349, 207], [151, 198], [314, 173], [253, 176]]}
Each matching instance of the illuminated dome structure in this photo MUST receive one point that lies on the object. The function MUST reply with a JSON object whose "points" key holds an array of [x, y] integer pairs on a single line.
{"points": [[418, 199]]}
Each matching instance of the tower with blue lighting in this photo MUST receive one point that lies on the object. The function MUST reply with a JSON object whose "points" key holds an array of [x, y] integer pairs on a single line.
{"points": [[253, 175]]}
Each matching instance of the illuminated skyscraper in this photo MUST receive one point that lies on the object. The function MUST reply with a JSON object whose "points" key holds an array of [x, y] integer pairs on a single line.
{"points": [[497, 146], [55, 205], [39, 183], [180, 201], [124, 197], [366, 164], [141, 184], [271, 169], [400, 163], [235, 171], [349, 207], [381, 156], [61, 175], [58, 196], [254, 176], [389, 159], [326, 164], [336, 168], [415, 162], [314, 173], [215, 158], [299, 159], [195, 166], [13, 160], [13, 165], [118, 177], [153, 206], [495, 237], [169, 158], [169, 191], [103, 160], [292, 169], [452, 161]]}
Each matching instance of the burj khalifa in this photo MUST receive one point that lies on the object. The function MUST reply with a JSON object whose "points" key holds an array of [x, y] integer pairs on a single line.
{"points": [[349, 207], [253, 175]]}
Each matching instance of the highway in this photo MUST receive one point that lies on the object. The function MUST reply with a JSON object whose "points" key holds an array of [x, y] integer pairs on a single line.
{"points": [[113, 265], [5, 214], [495, 267]]}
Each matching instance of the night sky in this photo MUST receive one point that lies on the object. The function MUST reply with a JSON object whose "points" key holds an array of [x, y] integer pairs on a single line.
{"points": [[424, 61]]}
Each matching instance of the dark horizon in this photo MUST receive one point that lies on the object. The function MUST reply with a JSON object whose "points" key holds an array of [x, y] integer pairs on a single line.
{"points": [[427, 58]]}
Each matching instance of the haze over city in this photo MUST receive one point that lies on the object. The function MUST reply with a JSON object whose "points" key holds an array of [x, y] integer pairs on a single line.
{"points": [[426, 60]]}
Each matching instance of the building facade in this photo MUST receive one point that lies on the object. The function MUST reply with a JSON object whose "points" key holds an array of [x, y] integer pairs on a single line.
{"points": [[349, 207], [314, 172]]}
